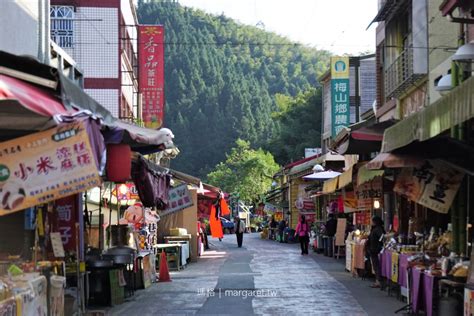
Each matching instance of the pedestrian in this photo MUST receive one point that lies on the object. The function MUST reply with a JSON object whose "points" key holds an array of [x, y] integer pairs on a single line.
{"points": [[281, 229], [375, 244], [302, 231], [273, 227], [239, 227]]}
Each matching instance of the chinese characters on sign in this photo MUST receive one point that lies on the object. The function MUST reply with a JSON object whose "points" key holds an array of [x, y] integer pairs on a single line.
{"points": [[151, 73], [179, 199], [368, 192], [433, 185], [64, 220], [339, 94], [45, 166]]}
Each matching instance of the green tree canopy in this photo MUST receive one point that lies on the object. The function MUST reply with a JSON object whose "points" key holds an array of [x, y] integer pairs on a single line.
{"points": [[299, 125], [246, 171]]}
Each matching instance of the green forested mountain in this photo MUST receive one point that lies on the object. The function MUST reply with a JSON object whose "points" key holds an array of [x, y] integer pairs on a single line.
{"points": [[299, 125], [221, 81]]}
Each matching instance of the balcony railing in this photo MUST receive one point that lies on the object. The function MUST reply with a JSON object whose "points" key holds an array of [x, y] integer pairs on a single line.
{"points": [[400, 75]]}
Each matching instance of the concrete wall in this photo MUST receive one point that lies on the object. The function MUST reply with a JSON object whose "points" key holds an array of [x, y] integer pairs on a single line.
{"points": [[19, 20], [442, 33]]}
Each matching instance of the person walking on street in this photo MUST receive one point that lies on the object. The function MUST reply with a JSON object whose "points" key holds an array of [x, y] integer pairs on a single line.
{"points": [[273, 227], [375, 246], [302, 231], [239, 227], [281, 229]]}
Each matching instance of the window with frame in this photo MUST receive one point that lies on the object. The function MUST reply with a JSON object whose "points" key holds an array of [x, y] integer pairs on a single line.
{"points": [[62, 25]]}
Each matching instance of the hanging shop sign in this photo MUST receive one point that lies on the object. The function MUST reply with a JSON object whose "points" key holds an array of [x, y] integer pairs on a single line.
{"points": [[340, 88], [350, 201], [368, 192], [433, 185], [64, 220], [151, 74], [126, 191], [179, 199], [46, 166]]}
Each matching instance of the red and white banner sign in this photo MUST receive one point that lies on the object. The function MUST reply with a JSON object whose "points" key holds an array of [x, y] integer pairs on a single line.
{"points": [[151, 78]]}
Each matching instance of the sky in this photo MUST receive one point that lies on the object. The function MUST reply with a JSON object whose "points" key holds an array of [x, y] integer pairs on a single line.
{"points": [[335, 25]]}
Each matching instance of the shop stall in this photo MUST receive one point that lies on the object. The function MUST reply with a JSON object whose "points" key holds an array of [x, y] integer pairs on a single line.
{"points": [[54, 138]]}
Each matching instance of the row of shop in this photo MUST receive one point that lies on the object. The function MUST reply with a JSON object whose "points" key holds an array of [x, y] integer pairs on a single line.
{"points": [[84, 211], [422, 193]]}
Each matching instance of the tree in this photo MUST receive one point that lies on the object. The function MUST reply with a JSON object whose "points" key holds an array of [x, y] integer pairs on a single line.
{"points": [[221, 78], [299, 125], [246, 171]]}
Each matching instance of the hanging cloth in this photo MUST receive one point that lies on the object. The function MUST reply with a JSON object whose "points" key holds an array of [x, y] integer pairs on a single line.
{"points": [[215, 223], [224, 208]]}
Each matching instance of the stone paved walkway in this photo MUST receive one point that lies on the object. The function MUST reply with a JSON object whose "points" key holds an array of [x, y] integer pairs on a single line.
{"points": [[262, 278]]}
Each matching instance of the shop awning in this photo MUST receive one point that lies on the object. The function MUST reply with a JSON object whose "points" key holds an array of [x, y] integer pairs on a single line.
{"points": [[361, 138], [364, 175], [305, 165], [322, 175], [345, 178], [388, 160], [181, 176], [25, 108], [388, 9], [451, 110], [32, 97], [330, 186]]}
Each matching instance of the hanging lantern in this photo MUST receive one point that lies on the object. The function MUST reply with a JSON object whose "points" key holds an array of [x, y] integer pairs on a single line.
{"points": [[119, 162]]}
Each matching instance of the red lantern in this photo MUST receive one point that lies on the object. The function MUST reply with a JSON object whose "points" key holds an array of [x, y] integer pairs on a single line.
{"points": [[119, 162]]}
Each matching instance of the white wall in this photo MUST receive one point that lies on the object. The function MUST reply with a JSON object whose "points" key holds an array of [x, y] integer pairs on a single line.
{"points": [[96, 37], [19, 27], [127, 89], [130, 18], [108, 98]]}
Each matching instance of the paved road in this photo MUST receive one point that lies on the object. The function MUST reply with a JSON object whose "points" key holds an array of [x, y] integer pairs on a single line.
{"points": [[262, 278]]}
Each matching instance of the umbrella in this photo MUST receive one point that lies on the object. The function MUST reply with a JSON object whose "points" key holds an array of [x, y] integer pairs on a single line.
{"points": [[323, 175]]}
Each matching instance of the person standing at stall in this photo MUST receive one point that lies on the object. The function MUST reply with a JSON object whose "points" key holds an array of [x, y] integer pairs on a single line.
{"points": [[375, 244], [239, 228], [302, 231]]}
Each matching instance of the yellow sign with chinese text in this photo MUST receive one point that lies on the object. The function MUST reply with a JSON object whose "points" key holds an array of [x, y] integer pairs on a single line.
{"points": [[46, 166], [339, 67]]}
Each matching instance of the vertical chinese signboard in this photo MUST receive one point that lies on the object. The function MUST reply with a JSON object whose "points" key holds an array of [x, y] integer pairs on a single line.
{"points": [[65, 220], [151, 74], [46, 166], [340, 111]]}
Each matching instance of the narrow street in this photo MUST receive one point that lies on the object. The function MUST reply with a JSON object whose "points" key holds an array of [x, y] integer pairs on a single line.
{"points": [[262, 278]]}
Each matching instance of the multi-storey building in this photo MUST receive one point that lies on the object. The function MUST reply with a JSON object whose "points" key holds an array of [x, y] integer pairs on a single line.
{"points": [[424, 79], [101, 37]]}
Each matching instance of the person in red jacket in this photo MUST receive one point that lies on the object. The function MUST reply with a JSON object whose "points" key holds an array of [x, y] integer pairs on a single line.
{"points": [[302, 231]]}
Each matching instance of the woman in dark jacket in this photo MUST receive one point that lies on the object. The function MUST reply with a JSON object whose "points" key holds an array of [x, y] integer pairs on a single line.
{"points": [[375, 244]]}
